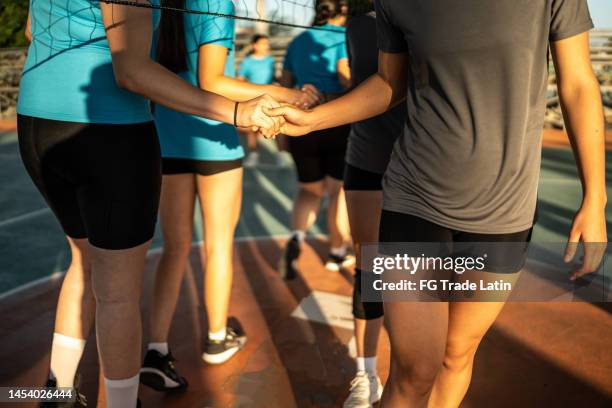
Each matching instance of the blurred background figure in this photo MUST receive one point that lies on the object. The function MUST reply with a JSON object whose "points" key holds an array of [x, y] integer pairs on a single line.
{"points": [[258, 68], [319, 57]]}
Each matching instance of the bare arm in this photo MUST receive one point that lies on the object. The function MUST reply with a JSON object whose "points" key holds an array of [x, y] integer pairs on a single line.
{"points": [[374, 96], [211, 62], [28, 28], [344, 73], [129, 32], [580, 99]]}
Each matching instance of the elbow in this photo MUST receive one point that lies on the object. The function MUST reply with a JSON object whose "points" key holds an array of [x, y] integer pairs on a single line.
{"points": [[126, 79], [579, 88]]}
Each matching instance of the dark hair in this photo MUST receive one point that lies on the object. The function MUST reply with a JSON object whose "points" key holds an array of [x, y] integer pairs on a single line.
{"points": [[258, 37], [326, 9], [171, 48]]}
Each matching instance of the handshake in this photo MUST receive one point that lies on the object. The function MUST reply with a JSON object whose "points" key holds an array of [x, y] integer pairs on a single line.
{"points": [[268, 117]]}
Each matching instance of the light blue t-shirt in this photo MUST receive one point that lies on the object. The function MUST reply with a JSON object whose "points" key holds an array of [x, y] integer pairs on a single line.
{"points": [[193, 137], [312, 57], [257, 70], [68, 74]]}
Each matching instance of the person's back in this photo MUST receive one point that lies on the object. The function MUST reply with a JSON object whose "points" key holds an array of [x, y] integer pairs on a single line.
{"points": [[188, 136], [312, 57], [68, 73]]}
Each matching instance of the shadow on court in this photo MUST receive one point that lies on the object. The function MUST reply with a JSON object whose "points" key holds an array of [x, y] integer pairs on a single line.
{"points": [[537, 354]]}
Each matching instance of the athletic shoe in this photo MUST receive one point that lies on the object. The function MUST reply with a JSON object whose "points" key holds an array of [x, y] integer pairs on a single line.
{"points": [[158, 372], [337, 262], [79, 402], [366, 390], [288, 265], [219, 351], [251, 160]]}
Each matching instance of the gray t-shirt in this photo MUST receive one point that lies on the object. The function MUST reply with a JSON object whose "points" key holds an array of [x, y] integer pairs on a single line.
{"points": [[469, 157], [370, 141]]}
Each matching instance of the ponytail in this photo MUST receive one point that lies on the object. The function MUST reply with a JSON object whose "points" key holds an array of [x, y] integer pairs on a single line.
{"points": [[171, 48]]}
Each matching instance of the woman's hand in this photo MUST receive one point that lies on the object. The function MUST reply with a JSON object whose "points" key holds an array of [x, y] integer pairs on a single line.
{"points": [[308, 97], [251, 114], [297, 122], [588, 227]]}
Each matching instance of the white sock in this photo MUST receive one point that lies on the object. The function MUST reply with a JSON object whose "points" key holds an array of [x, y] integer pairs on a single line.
{"points": [[122, 393], [360, 364], [217, 336], [370, 365], [338, 251], [299, 235], [66, 353], [161, 347]]}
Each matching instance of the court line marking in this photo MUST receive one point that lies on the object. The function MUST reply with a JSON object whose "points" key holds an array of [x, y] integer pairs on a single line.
{"points": [[45, 279], [154, 251], [24, 217]]}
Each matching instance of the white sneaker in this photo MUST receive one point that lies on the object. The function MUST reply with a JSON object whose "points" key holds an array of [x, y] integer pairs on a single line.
{"points": [[366, 390]]}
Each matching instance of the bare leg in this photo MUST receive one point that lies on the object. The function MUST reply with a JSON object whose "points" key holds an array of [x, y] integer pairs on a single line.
{"points": [[117, 285], [417, 331], [337, 218], [364, 215], [76, 307], [468, 323], [251, 141], [176, 218], [75, 315], [220, 197], [306, 205]]}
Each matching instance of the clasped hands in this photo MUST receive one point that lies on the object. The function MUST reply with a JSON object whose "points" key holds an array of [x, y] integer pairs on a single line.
{"points": [[268, 117]]}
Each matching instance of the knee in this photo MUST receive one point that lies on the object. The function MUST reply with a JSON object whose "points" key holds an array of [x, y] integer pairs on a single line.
{"points": [[416, 377], [177, 248], [459, 355]]}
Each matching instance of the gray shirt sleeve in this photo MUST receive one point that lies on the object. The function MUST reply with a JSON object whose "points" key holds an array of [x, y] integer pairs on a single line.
{"points": [[390, 37], [569, 18]]}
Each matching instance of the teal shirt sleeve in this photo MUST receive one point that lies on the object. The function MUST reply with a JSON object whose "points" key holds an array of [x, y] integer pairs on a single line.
{"points": [[211, 29]]}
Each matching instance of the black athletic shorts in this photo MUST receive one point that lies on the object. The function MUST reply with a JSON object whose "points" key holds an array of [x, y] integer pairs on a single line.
{"points": [[320, 154], [356, 179], [102, 181], [171, 165], [398, 227]]}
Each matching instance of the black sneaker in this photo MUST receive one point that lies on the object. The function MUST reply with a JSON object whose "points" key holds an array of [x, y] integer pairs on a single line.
{"points": [[288, 266], [79, 402], [219, 351], [337, 262], [158, 372]]}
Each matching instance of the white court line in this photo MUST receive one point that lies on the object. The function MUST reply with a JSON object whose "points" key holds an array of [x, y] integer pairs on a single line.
{"points": [[23, 217], [53, 277], [57, 275]]}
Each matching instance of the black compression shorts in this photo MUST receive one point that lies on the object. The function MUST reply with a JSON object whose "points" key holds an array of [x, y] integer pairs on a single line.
{"points": [[356, 179], [320, 154], [171, 165], [102, 181]]}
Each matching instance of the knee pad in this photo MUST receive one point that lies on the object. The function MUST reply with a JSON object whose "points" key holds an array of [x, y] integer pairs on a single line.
{"points": [[364, 310]]}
